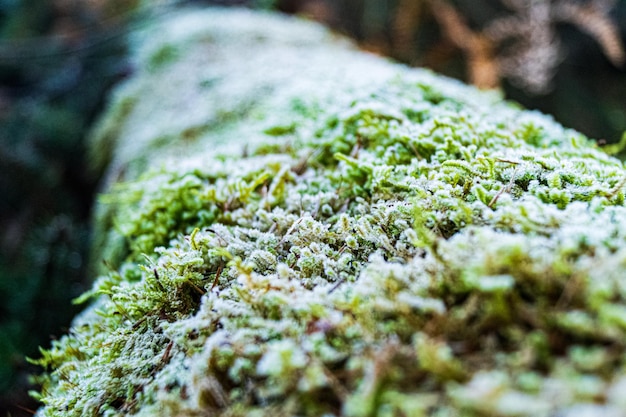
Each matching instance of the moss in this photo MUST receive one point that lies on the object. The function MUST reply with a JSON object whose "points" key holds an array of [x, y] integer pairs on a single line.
{"points": [[359, 241]]}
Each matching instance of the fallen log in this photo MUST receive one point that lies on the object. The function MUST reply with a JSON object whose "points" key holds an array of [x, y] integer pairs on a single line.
{"points": [[293, 227]]}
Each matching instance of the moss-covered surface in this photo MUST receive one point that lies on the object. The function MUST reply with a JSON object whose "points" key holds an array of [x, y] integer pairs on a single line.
{"points": [[294, 228]]}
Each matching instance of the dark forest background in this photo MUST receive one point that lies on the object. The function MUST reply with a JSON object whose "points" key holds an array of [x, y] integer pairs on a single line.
{"points": [[60, 58]]}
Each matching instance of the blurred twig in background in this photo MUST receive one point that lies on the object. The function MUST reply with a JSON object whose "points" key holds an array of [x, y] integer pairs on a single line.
{"points": [[480, 54], [524, 46]]}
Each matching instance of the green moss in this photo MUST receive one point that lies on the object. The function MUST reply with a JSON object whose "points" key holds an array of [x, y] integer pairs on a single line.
{"points": [[366, 241]]}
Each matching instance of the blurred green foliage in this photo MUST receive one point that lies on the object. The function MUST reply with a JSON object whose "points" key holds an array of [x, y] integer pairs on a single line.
{"points": [[53, 81]]}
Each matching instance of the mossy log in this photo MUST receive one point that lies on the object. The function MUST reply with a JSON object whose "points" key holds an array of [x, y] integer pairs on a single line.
{"points": [[291, 227]]}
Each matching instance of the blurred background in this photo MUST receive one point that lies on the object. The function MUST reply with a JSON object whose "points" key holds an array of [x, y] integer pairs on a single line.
{"points": [[60, 58]]}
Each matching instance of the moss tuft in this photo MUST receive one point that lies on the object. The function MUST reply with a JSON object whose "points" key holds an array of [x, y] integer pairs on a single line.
{"points": [[359, 241]]}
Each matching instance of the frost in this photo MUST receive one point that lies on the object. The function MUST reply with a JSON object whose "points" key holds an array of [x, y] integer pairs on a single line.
{"points": [[287, 236], [280, 358]]}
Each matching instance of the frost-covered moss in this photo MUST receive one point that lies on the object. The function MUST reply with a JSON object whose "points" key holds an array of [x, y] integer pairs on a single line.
{"points": [[304, 230]]}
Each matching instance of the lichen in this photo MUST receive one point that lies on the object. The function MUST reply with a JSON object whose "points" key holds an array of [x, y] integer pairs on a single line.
{"points": [[370, 240]]}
